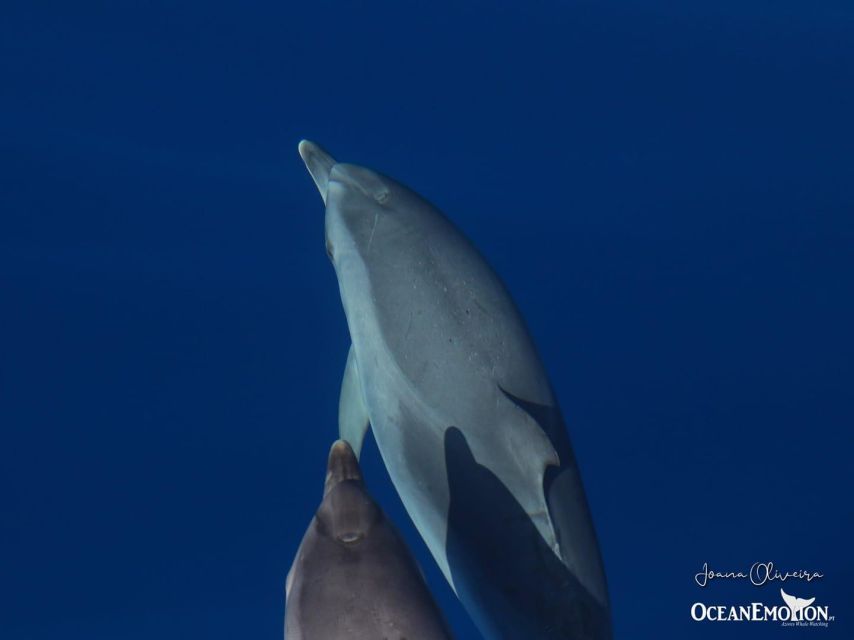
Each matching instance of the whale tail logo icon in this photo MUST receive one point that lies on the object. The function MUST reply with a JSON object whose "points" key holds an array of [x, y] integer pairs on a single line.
{"points": [[795, 604]]}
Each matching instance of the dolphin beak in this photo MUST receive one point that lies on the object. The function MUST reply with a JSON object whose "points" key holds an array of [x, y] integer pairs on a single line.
{"points": [[319, 165], [342, 466]]}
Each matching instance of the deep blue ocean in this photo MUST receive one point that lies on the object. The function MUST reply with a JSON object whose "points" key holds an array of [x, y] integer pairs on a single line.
{"points": [[667, 189]]}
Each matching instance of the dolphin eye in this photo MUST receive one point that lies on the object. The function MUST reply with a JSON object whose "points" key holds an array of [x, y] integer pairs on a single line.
{"points": [[329, 248], [350, 537]]}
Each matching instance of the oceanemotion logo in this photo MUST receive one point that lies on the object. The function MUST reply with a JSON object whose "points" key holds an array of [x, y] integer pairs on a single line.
{"points": [[795, 612]]}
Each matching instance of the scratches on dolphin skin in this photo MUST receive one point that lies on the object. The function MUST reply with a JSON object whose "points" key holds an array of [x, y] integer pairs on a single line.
{"points": [[409, 325], [485, 311], [373, 230]]}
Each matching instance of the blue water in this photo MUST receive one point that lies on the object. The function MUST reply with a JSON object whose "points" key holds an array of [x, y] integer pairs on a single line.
{"points": [[665, 187]]}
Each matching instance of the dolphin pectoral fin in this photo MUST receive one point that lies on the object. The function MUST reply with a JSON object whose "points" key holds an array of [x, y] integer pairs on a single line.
{"points": [[569, 526], [532, 445], [536, 456], [353, 419]]}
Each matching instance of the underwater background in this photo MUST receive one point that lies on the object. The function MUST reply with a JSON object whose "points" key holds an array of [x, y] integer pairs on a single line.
{"points": [[666, 188]]}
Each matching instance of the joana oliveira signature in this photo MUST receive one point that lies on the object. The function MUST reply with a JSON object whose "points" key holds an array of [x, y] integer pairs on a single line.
{"points": [[759, 574]]}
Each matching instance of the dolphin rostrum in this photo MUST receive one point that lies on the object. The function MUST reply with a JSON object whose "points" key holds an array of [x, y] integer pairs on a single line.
{"points": [[443, 369], [353, 577]]}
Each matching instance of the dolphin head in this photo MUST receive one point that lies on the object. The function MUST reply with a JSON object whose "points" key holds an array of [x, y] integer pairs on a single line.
{"points": [[364, 209], [347, 513]]}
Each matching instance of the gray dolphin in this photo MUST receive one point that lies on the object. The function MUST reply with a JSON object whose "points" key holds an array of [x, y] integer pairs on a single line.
{"points": [[443, 369], [353, 577]]}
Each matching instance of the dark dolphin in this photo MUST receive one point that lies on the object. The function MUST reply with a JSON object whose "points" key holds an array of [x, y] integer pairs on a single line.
{"points": [[353, 577]]}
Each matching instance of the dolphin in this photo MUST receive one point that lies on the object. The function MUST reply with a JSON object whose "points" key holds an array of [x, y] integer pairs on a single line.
{"points": [[444, 371], [353, 577]]}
